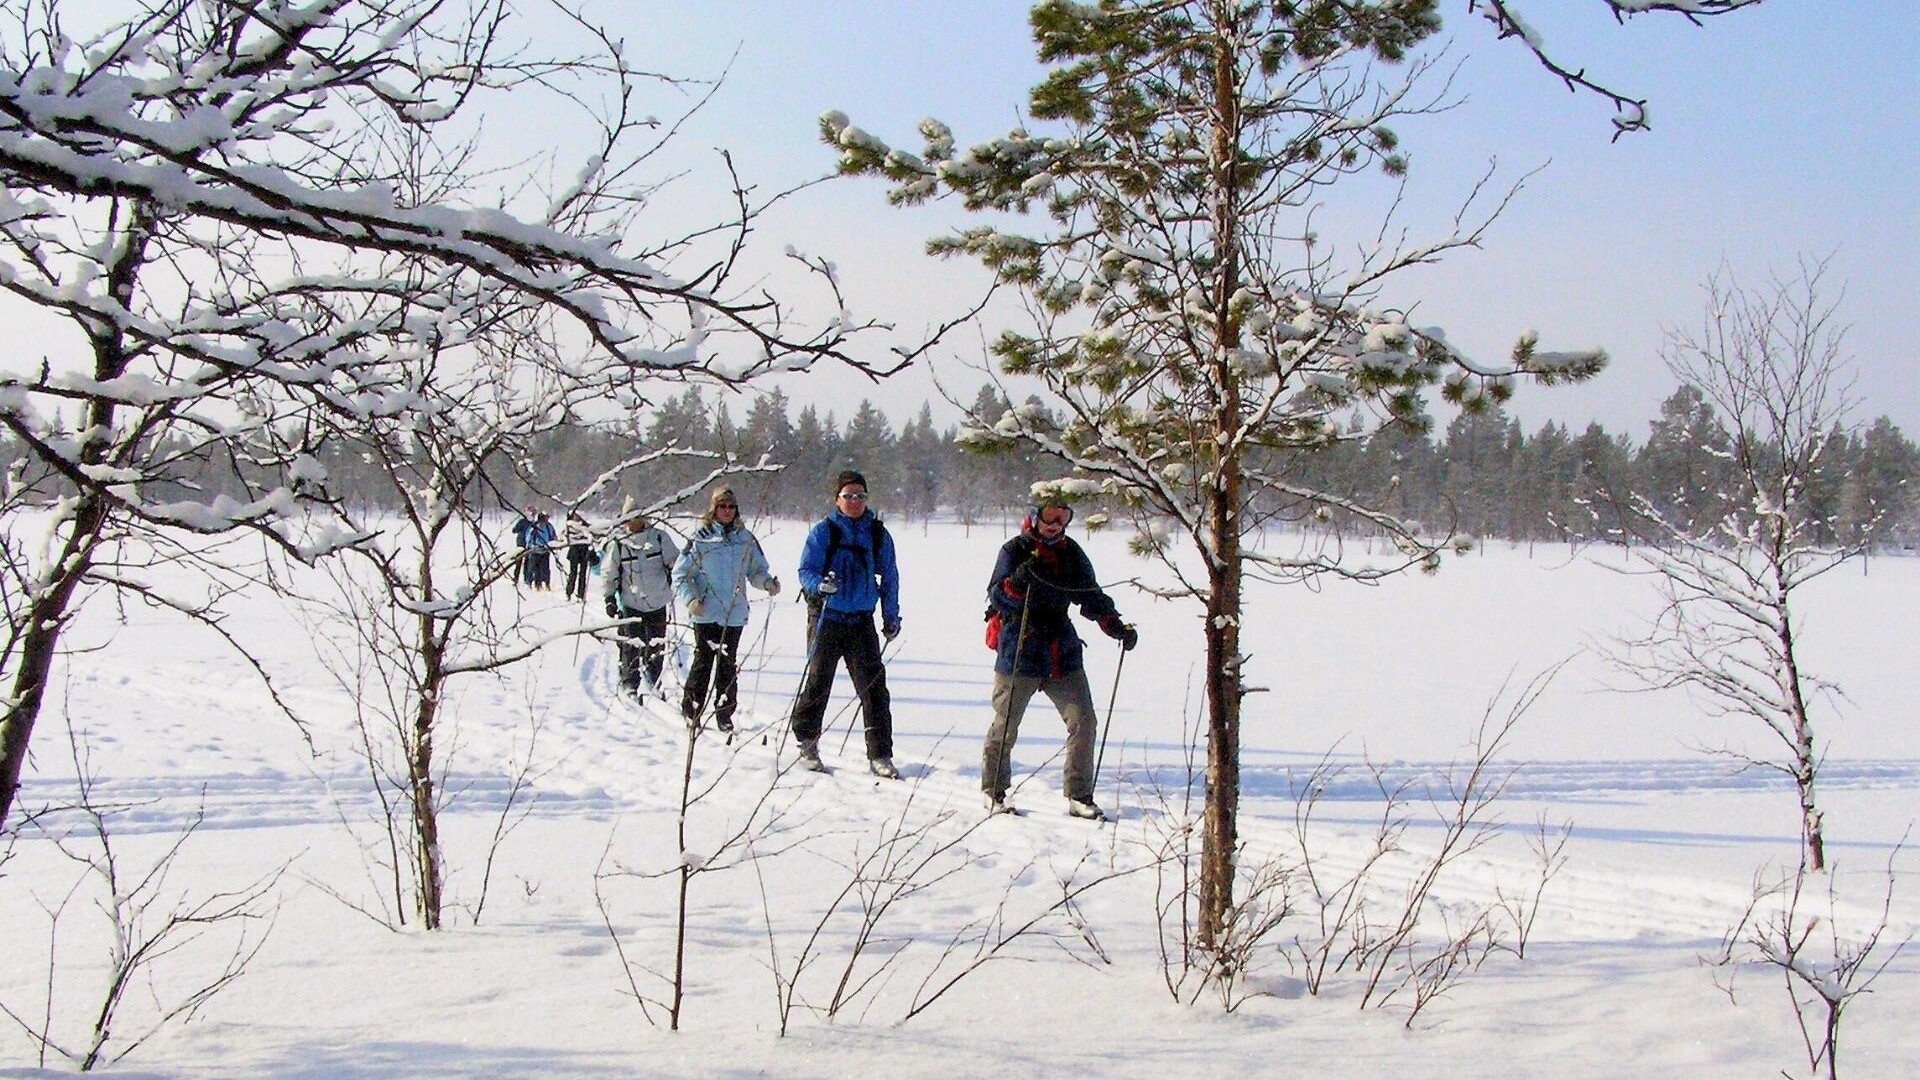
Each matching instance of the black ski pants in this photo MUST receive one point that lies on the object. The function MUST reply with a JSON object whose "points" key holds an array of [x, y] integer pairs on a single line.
{"points": [[716, 653], [857, 644], [649, 628], [539, 568], [579, 558]]}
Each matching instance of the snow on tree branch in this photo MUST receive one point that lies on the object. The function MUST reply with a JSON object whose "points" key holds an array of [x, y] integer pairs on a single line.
{"points": [[1630, 112]]}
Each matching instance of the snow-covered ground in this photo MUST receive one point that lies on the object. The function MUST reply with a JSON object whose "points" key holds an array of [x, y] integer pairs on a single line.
{"points": [[1666, 842]]}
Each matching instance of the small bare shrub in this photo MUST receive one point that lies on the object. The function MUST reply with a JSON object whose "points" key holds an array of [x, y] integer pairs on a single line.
{"points": [[1822, 962]]}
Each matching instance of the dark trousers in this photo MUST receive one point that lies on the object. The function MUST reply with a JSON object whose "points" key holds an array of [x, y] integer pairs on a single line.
{"points": [[539, 569], [578, 558], [858, 644], [716, 657], [650, 629]]}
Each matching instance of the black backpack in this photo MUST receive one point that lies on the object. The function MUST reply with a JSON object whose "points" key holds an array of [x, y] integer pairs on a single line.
{"points": [[877, 530]]}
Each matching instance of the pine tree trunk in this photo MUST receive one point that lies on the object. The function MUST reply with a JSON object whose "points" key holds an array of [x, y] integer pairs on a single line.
{"points": [[1221, 500], [1220, 836]]}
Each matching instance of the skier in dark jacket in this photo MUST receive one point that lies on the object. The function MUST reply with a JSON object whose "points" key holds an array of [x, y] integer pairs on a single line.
{"points": [[578, 536], [522, 536], [1039, 575], [847, 569]]}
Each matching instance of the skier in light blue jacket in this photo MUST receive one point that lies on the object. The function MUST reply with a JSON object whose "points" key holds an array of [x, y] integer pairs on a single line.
{"points": [[711, 578]]}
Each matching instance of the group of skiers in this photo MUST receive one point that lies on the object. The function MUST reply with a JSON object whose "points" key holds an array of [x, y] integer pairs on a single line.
{"points": [[849, 572], [535, 538], [645, 571]]}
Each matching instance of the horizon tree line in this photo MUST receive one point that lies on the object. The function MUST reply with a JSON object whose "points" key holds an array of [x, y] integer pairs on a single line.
{"points": [[1483, 476]]}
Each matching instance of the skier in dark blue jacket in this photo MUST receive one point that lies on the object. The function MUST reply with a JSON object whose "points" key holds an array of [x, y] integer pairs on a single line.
{"points": [[847, 568], [1040, 575]]}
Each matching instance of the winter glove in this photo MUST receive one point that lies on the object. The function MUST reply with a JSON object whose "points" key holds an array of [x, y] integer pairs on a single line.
{"points": [[613, 607], [1119, 631], [890, 629], [1022, 576], [696, 608], [773, 587], [828, 586]]}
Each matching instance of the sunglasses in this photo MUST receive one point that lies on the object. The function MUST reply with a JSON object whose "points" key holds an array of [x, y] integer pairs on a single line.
{"points": [[854, 496], [1056, 522], [726, 506]]}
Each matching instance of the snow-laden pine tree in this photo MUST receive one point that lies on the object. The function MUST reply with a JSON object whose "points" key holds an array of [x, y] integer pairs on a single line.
{"points": [[1198, 341], [1878, 502], [1683, 470]]}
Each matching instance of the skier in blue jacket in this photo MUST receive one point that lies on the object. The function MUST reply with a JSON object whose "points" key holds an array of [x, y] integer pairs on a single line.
{"points": [[847, 568], [539, 556]]}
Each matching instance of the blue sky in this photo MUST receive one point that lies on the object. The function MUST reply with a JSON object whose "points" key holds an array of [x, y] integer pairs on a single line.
{"points": [[1783, 131]]}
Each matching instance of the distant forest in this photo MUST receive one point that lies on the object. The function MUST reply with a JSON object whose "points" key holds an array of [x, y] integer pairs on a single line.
{"points": [[1480, 476]]}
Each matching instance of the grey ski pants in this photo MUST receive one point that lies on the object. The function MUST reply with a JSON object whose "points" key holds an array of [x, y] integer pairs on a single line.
{"points": [[1071, 695]]}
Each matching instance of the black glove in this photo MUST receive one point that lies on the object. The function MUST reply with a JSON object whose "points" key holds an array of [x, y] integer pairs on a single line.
{"points": [[1121, 632], [828, 586], [613, 607], [890, 629], [1022, 576]]}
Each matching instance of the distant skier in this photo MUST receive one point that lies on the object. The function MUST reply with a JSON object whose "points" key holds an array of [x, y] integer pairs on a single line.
{"points": [[847, 568], [1038, 576], [711, 578], [539, 556], [522, 536], [636, 581], [579, 540]]}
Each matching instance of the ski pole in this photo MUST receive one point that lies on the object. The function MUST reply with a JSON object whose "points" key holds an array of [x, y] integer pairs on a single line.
{"points": [[1108, 727], [806, 665], [860, 698], [576, 636]]}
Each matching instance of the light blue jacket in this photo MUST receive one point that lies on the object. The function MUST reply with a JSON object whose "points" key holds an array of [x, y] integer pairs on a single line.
{"points": [[715, 569]]}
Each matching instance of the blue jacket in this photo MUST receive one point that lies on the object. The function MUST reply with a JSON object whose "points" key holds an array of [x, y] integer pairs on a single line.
{"points": [[866, 576], [1036, 637], [715, 568]]}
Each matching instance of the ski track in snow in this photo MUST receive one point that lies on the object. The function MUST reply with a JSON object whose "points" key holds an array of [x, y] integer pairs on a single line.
{"points": [[601, 754], [598, 738], [1585, 902]]}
